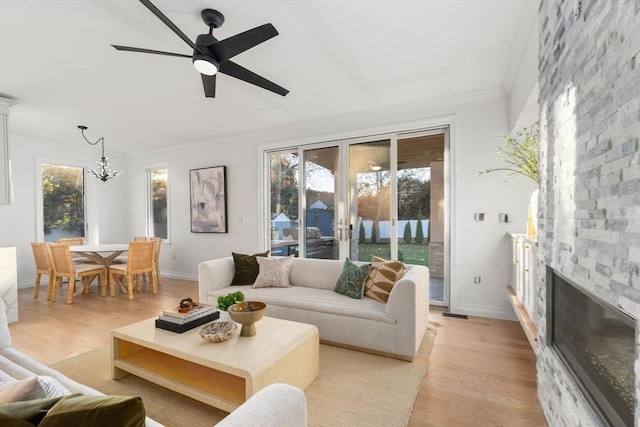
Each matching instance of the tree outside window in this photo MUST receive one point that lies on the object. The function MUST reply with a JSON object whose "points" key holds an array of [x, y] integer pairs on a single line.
{"points": [[62, 201], [158, 211]]}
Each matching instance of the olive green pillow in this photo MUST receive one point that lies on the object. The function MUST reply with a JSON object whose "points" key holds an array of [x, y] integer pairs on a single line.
{"points": [[96, 411], [246, 268], [31, 411]]}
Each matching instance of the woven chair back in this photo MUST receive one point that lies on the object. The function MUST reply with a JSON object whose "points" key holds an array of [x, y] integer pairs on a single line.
{"points": [[61, 258], [72, 241], [156, 248], [140, 257], [42, 257], [139, 238]]}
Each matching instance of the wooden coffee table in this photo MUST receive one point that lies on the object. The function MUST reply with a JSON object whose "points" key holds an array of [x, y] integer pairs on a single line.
{"points": [[223, 374]]}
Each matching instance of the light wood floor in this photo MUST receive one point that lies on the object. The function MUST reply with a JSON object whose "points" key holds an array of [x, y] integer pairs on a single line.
{"points": [[481, 371]]}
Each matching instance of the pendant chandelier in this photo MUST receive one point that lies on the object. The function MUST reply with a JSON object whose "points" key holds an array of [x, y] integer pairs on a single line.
{"points": [[104, 172]]}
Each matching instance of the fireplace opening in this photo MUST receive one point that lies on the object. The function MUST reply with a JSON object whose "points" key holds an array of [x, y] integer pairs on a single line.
{"points": [[597, 344]]}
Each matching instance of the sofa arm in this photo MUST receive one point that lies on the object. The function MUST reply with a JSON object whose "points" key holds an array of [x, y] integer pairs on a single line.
{"points": [[409, 305], [5, 335], [214, 274], [277, 405]]}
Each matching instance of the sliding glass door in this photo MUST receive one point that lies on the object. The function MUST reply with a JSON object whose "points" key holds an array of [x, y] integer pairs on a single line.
{"points": [[359, 198], [371, 222]]}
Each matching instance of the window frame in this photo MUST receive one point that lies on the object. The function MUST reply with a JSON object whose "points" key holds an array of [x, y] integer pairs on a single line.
{"points": [[148, 223], [91, 233]]}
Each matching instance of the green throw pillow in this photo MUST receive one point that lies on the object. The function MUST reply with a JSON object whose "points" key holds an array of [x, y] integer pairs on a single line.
{"points": [[7, 421], [351, 280], [246, 268], [32, 411], [96, 411]]}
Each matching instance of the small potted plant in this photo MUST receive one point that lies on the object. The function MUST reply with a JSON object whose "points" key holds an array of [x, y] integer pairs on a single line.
{"points": [[224, 302]]}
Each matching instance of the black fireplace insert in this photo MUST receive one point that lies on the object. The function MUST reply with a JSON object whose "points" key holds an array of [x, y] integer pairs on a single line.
{"points": [[597, 344]]}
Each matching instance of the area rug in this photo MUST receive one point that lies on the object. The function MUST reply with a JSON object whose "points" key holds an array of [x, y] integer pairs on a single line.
{"points": [[353, 388]]}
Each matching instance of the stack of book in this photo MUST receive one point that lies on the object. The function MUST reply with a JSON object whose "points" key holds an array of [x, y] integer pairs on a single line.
{"points": [[173, 320]]}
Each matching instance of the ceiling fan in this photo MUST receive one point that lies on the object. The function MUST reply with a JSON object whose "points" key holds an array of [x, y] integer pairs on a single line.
{"points": [[211, 55]]}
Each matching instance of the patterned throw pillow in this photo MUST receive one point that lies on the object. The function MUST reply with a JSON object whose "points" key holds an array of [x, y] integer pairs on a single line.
{"points": [[382, 276], [351, 280], [274, 272], [246, 268]]}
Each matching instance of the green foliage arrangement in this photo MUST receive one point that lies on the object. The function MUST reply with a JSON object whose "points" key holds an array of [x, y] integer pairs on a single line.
{"points": [[224, 302], [520, 153], [361, 234], [419, 232], [407, 232]]}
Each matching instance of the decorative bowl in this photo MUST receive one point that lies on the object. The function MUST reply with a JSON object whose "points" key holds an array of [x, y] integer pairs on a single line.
{"points": [[218, 331], [247, 313]]}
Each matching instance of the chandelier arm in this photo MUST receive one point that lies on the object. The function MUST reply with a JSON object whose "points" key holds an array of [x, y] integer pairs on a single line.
{"points": [[101, 139]]}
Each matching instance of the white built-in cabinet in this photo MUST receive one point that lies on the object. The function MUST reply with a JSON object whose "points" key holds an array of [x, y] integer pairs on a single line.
{"points": [[9, 282], [522, 286]]}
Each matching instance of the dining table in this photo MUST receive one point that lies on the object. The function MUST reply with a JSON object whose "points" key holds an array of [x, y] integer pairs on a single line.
{"points": [[102, 253]]}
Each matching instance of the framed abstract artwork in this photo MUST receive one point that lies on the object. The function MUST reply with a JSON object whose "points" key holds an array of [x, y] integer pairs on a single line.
{"points": [[208, 200]]}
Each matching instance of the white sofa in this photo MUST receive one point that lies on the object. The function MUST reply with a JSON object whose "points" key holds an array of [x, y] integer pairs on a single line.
{"points": [[394, 329], [278, 405]]}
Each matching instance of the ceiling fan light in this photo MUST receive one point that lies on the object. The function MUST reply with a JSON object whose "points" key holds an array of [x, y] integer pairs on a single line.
{"points": [[205, 67]]}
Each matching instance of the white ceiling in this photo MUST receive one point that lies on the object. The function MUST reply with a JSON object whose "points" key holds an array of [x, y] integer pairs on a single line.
{"points": [[336, 58]]}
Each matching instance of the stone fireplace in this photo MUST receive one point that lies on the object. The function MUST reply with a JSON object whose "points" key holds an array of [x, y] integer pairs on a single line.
{"points": [[596, 343], [589, 215]]}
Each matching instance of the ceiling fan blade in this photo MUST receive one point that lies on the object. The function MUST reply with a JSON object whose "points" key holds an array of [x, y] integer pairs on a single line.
{"points": [[170, 24], [140, 50], [232, 69], [228, 48], [209, 84]]}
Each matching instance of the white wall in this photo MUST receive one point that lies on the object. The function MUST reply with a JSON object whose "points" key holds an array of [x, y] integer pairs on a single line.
{"points": [[477, 248]]}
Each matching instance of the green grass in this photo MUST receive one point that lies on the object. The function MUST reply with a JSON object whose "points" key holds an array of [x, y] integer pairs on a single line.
{"points": [[408, 253]]}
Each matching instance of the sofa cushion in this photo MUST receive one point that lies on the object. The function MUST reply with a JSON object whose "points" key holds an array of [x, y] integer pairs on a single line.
{"points": [[381, 278], [96, 411], [351, 280], [312, 299], [274, 272], [37, 387], [246, 268], [316, 273]]}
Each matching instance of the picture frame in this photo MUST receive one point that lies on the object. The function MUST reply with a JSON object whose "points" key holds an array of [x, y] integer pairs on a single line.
{"points": [[208, 196]]}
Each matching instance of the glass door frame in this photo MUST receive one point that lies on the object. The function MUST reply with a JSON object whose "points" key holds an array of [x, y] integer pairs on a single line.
{"points": [[443, 126], [346, 190]]}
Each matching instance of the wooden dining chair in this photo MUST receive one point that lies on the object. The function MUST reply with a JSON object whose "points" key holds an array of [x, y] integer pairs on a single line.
{"points": [[63, 266], [44, 265], [75, 241], [140, 261], [156, 257], [122, 259]]}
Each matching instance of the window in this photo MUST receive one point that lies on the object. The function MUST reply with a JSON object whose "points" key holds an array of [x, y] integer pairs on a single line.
{"points": [[283, 190], [158, 203], [63, 202]]}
